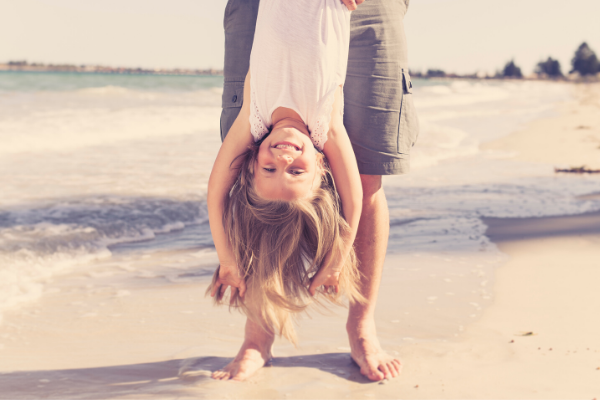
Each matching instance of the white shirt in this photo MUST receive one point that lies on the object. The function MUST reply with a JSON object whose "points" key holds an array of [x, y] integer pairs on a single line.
{"points": [[299, 58]]}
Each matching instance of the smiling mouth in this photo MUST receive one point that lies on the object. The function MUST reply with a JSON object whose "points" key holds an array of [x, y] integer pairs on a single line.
{"points": [[286, 146]]}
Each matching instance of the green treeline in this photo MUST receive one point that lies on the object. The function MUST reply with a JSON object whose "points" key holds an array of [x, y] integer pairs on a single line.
{"points": [[584, 62]]}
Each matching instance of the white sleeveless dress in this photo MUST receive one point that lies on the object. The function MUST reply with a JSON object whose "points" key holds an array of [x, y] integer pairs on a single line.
{"points": [[299, 58]]}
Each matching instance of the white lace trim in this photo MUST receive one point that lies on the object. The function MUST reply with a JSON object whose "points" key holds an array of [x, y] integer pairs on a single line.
{"points": [[257, 125], [321, 128]]}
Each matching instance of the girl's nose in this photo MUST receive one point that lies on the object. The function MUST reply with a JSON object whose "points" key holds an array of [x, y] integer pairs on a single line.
{"points": [[285, 158]]}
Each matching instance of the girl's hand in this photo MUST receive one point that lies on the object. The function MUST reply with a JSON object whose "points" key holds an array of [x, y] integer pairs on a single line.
{"points": [[352, 4], [229, 275], [327, 277]]}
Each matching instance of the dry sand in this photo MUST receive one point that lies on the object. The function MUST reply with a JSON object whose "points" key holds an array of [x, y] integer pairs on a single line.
{"points": [[571, 139], [539, 338]]}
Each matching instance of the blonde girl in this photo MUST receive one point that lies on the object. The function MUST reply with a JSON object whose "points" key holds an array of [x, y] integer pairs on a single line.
{"points": [[284, 195]]}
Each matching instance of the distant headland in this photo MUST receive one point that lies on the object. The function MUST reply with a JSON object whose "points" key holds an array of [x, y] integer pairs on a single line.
{"points": [[585, 68], [24, 66]]}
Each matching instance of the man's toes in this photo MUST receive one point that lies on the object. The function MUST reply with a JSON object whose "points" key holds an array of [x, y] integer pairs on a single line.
{"points": [[392, 368], [398, 365], [372, 374], [386, 371]]}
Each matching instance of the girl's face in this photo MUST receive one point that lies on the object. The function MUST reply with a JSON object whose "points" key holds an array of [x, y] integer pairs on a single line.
{"points": [[287, 167]]}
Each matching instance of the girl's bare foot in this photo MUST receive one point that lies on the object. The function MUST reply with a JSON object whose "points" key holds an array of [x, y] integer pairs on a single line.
{"points": [[253, 355], [374, 363]]}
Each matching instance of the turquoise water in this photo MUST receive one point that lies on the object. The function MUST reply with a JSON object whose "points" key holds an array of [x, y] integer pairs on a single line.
{"points": [[65, 81], [56, 81]]}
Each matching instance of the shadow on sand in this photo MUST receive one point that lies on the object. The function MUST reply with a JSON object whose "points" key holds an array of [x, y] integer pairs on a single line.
{"points": [[178, 377], [502, 230]]}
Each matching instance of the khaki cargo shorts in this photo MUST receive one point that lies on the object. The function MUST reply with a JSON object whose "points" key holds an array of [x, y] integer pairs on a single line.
{"points": [[379, 114]]}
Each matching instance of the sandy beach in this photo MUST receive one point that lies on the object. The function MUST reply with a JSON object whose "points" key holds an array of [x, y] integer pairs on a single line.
{"points": [[525, 326], [571, 139]]}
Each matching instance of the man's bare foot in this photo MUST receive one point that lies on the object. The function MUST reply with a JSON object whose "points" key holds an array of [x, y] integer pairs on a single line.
{"points": [[374, 363], [254, 354]]}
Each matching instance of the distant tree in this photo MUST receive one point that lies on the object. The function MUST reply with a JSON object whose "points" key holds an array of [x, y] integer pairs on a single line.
{"points": [[17, 63], [431, 73], [511, 70], [550, 67], [585, 61]]}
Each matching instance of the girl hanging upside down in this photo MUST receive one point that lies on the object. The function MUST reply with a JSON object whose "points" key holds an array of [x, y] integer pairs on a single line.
{"points": [[284, 195]]}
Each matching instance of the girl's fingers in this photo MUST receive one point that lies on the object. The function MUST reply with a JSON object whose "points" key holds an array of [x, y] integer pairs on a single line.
{"points": [[242, 288], [222, 291], [312, 289], [215, 288], [231, 299]]}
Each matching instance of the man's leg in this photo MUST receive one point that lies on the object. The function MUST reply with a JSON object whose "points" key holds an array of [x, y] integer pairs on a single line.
{"points": [[381, 125], [371, 245], [239, 23]]}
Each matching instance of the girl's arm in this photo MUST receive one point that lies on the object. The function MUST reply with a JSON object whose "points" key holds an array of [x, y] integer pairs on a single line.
{"points": [[221, 180], [342, 161]]}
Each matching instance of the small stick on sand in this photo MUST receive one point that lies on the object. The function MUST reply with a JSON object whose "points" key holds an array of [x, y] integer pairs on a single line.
{"points": [[577, 170]]}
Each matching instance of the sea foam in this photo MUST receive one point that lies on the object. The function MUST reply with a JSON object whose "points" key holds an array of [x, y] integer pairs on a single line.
{"points": [[39, 242]]}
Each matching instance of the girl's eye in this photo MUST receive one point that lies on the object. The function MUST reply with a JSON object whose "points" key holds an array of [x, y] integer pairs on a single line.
{"points": [[296, 172], [269, 169]]}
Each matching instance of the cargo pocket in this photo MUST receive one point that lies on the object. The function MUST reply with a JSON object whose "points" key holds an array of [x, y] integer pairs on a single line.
{"points": [[231, 102], [408, 128]]}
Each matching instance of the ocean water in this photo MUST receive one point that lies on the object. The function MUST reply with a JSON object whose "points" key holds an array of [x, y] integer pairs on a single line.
{"points": [[104, 177]]}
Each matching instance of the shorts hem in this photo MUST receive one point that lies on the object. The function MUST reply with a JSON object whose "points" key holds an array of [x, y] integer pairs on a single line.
{"points": [[398, 167]]}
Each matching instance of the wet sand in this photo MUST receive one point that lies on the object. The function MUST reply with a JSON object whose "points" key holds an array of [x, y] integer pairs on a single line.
{"points": [[162, 341]]}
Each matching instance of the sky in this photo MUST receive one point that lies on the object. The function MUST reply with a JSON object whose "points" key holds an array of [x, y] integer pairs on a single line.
{"points": [[461, 36]]}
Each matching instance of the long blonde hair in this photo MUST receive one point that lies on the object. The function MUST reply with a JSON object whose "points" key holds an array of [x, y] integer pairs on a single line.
{"points": [[280, 245]]}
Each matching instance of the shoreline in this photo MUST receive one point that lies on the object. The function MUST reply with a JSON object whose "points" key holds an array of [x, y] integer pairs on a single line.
{"points": [[95, 336], [24, 66], [111, 73], [571, 139], [101, 70], [501, 230]]}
